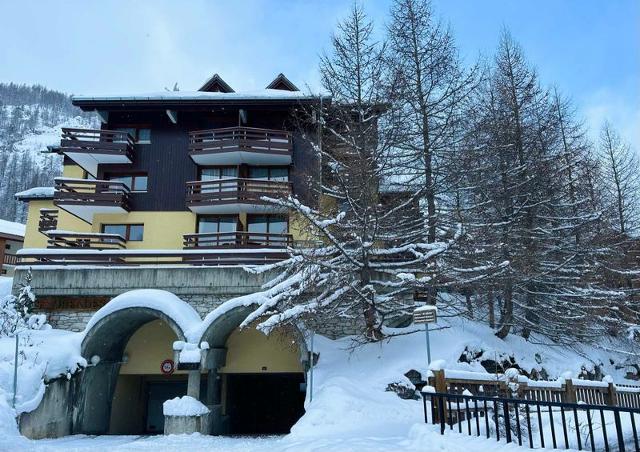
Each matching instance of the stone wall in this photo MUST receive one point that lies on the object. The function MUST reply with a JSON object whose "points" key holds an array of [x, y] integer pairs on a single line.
{"points": [[204, 288]]}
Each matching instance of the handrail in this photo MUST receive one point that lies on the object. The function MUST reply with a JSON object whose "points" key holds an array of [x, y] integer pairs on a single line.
{"points": [[86, 191], [238, 239], [141, 257], [235, 190], [240, 138], [85, 240], [10, 259], [73, 137]]}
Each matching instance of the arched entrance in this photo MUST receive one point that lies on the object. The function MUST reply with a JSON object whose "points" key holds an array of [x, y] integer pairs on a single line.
{"points": [[127, 335], [256, 383]]}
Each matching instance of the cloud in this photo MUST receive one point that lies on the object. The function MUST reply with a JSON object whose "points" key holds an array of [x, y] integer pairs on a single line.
{"points": [[622, 111]]}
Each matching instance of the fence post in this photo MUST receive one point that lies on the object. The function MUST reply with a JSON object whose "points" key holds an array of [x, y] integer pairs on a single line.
{"points": [[569, 391], [522, 390], [440, 384], [612, 395]]}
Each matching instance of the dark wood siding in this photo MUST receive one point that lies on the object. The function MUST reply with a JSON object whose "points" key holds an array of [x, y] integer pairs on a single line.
{"points": [[168, 165]]}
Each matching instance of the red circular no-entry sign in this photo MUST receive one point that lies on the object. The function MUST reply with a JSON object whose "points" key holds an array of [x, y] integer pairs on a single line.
{"points": [[167, 367]]}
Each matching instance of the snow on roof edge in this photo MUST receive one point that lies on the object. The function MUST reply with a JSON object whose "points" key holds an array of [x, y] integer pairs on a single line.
{"points": [[12, 228], [263, 94]]}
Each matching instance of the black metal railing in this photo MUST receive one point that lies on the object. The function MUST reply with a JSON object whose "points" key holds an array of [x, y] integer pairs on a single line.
{"points": [[533, 423]]}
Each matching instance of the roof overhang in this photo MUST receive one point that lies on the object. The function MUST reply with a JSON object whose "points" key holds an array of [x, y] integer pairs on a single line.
{"points": [[192, 103]]}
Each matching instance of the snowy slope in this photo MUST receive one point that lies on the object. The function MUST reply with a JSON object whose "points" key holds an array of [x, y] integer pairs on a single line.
{"points": [[350, 410]]}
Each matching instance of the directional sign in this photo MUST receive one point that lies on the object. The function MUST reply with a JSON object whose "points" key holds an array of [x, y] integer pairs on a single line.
{"points": [[425, 314]]}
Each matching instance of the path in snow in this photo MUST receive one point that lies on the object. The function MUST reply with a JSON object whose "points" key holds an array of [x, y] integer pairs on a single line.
{"points": [[419, 438]]}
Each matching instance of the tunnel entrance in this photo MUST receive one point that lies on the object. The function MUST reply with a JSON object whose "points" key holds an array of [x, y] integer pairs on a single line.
{"points": [[141, 387], [264, 403]]}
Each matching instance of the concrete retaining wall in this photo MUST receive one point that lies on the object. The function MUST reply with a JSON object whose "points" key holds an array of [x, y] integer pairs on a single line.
{"points": [[54, 416]]}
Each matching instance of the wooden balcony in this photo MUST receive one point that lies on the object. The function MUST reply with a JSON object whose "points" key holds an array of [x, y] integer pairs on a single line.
{"points": [[91, 147], [85, 198], [238, 239], [236, 145], [226, 196], [9, 259], [48, 220], [97, 241]]}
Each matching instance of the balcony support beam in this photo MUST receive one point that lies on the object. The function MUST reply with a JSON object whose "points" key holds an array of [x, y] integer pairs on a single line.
{"points": [[103, 115], [173, 116]]}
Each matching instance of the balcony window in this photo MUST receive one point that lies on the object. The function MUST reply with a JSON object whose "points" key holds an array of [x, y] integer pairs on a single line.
{"points": [[219, 173], [217, 224], [275, 173], [267, 224], [135, 182], [140, 136], [129, 232]]}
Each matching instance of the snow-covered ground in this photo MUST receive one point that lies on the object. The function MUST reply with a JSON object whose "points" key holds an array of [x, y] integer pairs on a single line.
{"points": [[350, 410]]}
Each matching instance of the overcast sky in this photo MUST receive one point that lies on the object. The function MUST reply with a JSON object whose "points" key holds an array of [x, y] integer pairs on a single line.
{"points": [[589, 48]]}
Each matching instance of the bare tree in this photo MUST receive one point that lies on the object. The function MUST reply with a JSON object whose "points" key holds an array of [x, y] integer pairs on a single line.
{"points": [[621, 180]]}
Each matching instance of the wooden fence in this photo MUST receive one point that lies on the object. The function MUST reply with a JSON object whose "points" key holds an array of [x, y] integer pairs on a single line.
{"points": [[566, 391]]}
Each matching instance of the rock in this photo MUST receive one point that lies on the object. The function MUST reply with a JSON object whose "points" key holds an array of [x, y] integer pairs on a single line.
{"points": [[403, 391]]}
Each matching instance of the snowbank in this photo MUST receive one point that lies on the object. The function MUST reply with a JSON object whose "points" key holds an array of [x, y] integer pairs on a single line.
{"points": [[5, 286], [184, 406]]}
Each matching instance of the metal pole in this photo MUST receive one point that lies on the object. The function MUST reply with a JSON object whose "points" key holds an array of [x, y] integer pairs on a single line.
{"points": [[426, 330], [311, 370], [15, 374]]}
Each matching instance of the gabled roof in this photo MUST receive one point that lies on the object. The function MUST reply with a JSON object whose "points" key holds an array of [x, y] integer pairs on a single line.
{"points": [[215, 84], [283, 83]]}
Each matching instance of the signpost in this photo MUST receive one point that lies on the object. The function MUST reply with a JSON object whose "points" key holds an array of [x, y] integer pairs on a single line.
{"points": [[426, 315]]}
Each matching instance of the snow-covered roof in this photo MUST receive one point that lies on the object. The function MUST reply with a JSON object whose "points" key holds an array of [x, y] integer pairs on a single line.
{"points": [[35, 193], [11, 228], [261, 94]]}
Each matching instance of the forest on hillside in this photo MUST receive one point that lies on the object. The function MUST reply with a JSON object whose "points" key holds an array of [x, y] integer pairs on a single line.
{"points": [[30, 119]]}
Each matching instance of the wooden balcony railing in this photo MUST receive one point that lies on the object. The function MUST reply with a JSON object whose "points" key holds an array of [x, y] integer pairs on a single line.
{"points": [[85, 192], [9, 259], [96, 141], [239, 239], [48, 220], [98, 241], [141, 257], [246, 139], [231, 191]]}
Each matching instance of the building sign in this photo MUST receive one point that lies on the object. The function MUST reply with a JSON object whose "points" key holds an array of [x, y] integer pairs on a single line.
{"points": [[425, 314], [167, 367], [64, 303]]}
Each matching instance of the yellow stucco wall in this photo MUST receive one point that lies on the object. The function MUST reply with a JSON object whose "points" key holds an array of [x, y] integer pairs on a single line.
{"points": [[73, 171], [250, 351], [147, 348], [162, 230], [32, 237]]}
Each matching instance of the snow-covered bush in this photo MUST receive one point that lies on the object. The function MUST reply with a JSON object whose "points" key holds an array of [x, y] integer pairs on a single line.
{"points": [[15, 311]]}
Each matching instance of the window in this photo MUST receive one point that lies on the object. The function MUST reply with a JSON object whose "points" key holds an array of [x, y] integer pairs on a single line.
{"points": [[140, 136], [219, 173], [144, 136], [217, 224], [225, 172], [130, 232], [267, 224], [276, 173], [7, 246], [135, 182]]}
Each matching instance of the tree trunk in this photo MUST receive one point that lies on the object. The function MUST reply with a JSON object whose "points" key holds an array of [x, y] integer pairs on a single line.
{"points": [[491, 307], [506, 315]]}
